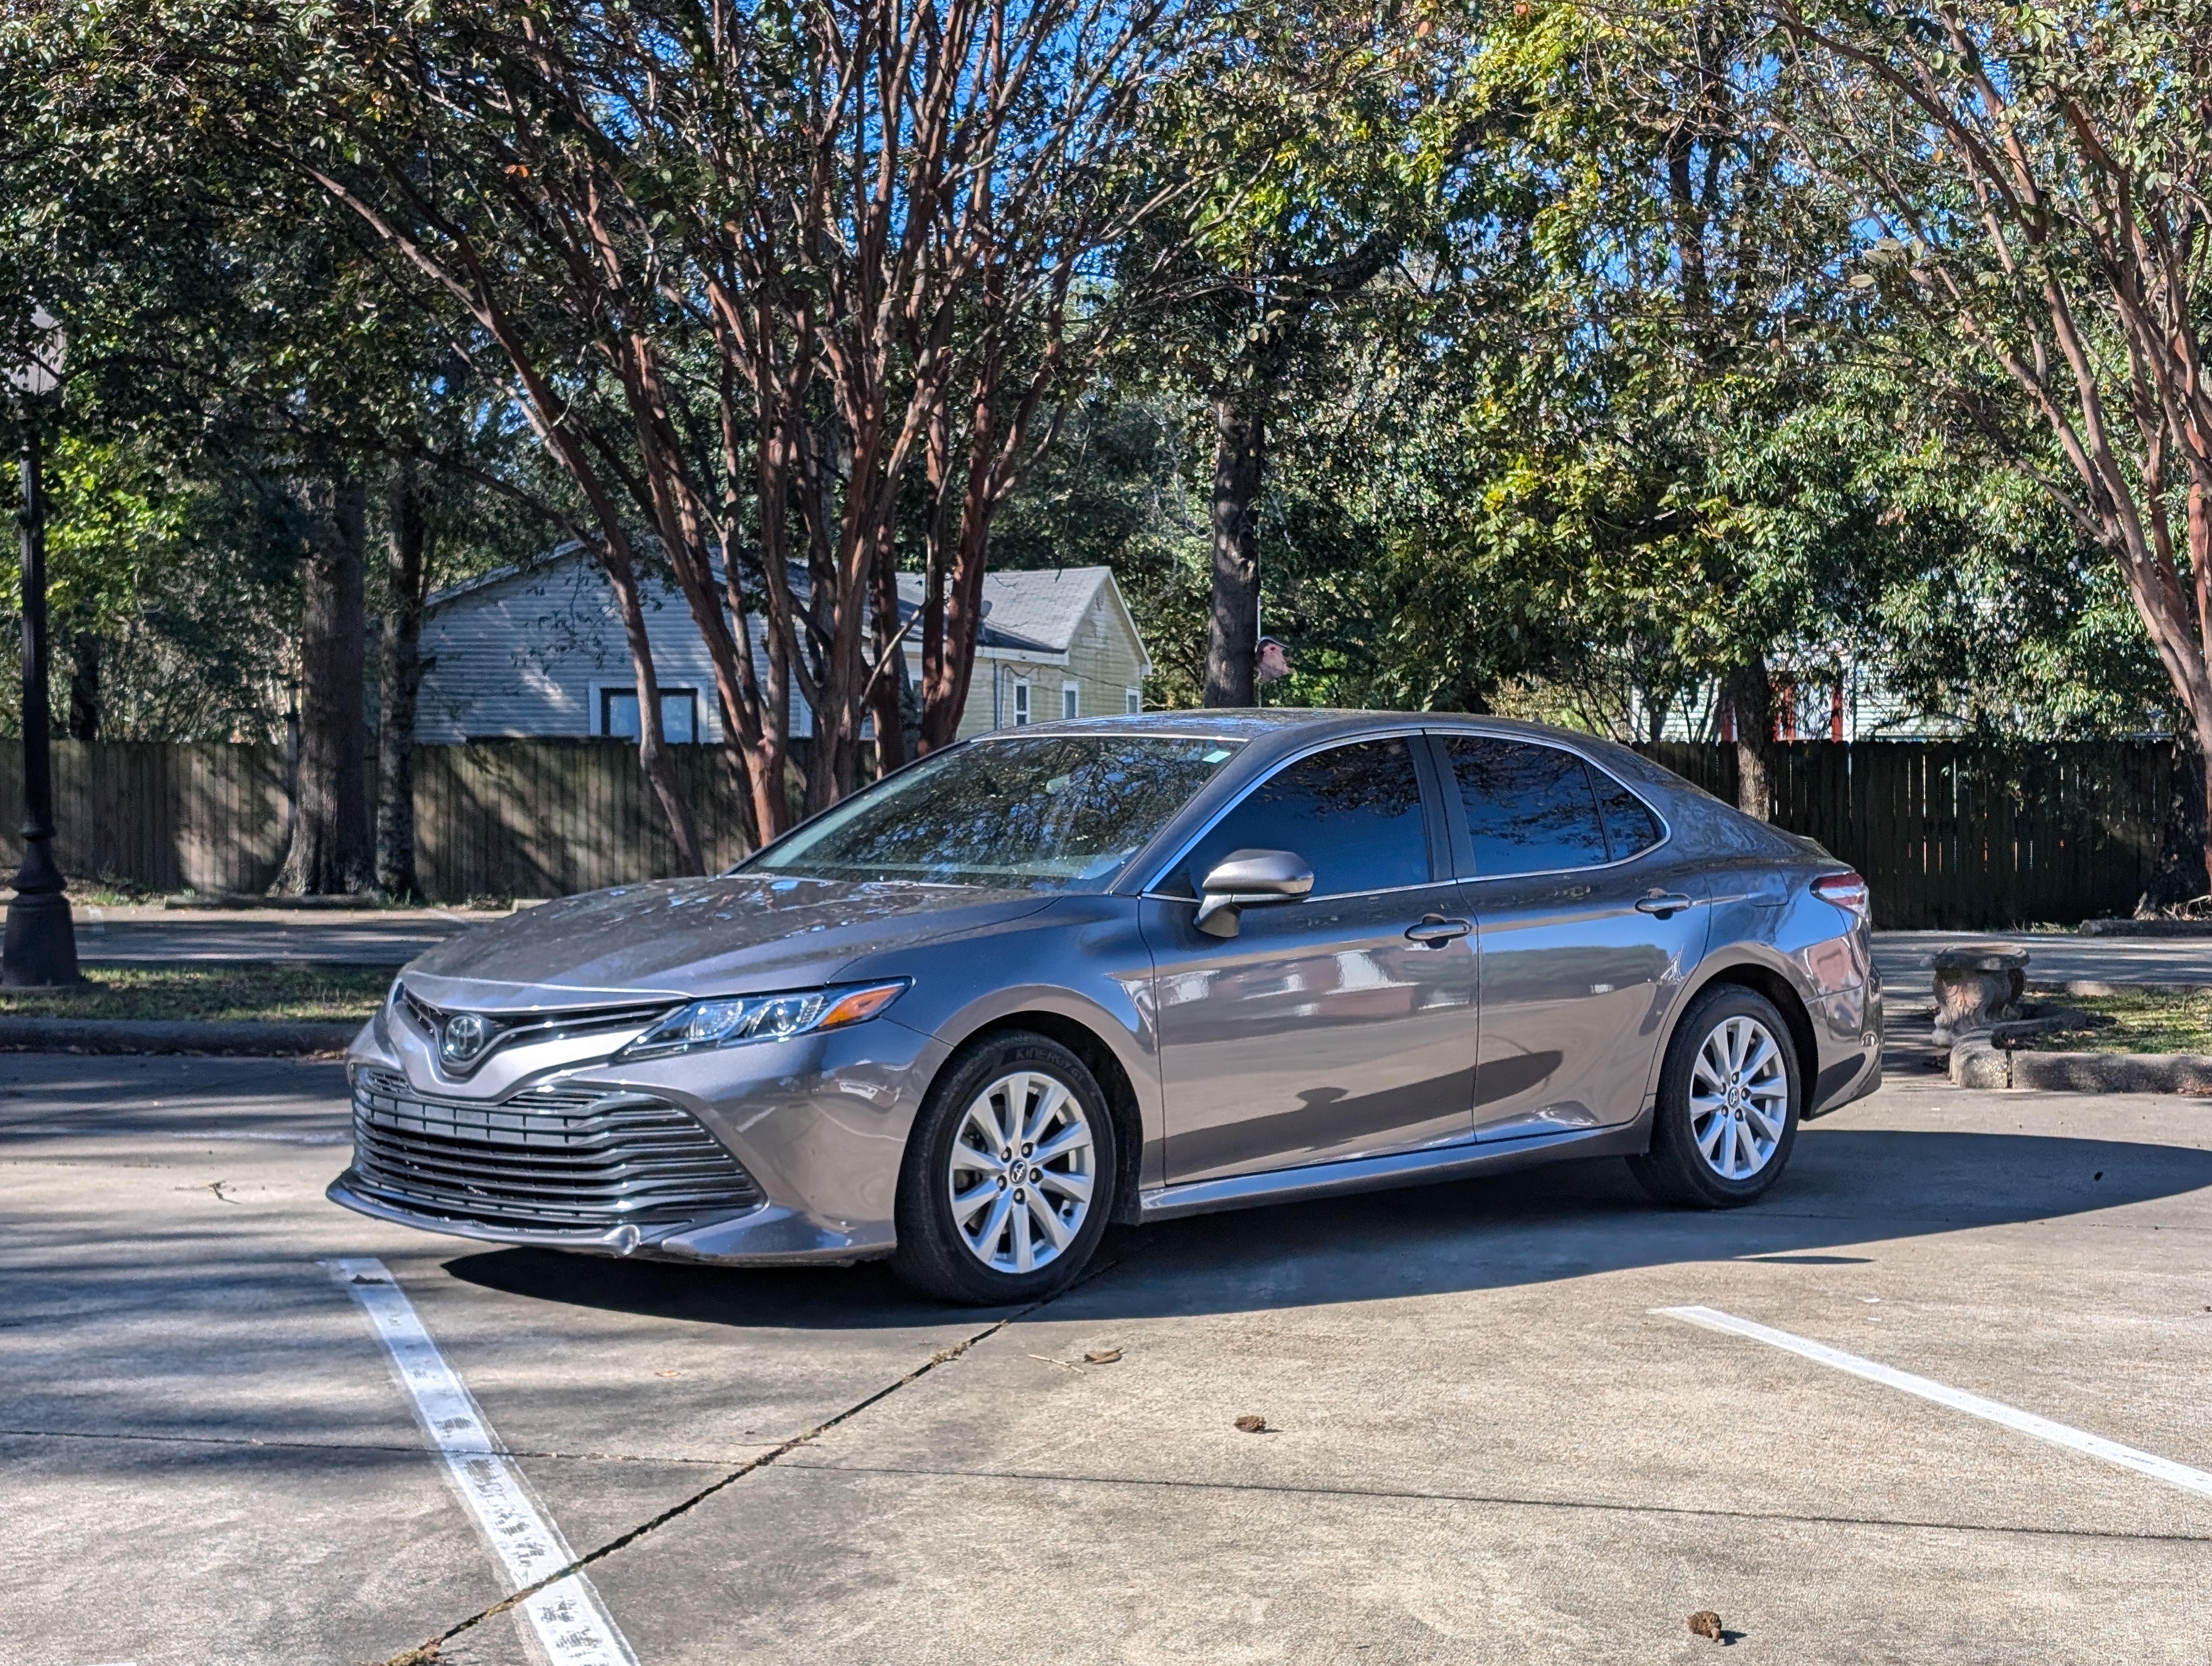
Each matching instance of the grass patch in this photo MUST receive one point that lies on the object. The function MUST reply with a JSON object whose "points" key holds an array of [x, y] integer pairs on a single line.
{"points": [[220, 990], [2144, 1022]]}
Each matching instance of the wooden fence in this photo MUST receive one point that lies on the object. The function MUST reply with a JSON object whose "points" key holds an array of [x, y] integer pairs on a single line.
{"points": [[549, 818], [494, 818], [1952, 836], [205, 815], [1948, 835]]}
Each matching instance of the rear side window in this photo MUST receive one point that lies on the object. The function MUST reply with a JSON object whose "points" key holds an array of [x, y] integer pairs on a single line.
{"points": [[1353, 813], [1629, 827], [1529, 809]]}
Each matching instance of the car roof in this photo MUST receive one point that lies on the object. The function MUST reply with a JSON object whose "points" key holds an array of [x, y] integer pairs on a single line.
{"points": [[1298, 725], [1273, 733]]}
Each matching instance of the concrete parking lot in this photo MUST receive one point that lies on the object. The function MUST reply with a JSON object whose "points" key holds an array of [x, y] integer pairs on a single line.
{"points": [[1486, 1439]]}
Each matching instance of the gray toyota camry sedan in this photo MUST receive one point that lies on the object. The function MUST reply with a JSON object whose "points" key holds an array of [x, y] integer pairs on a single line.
{"points": [[1126, 969]]}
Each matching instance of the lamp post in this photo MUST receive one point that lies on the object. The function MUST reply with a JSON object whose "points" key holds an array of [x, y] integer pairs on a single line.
{"points": [[40, 945]]}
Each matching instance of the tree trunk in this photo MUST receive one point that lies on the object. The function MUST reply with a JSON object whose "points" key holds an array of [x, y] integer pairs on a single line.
{"points": [[1750, 695], [84, 686], [1233, 637], [330, 855], [652, 754], [887, 699], [407, 563]]}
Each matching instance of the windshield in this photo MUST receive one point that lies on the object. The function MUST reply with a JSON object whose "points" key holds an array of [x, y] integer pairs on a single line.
{"points": [[1050, 812]]}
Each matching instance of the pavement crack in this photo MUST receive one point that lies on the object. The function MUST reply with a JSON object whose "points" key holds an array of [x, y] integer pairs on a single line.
{"points": [[412, 1449], [427, 1649], [1420, 1495]]}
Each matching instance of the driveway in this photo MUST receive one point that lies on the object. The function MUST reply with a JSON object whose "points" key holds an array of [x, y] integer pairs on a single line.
{"points": [[1487, 1437], [369, 937], [1907, 958]]}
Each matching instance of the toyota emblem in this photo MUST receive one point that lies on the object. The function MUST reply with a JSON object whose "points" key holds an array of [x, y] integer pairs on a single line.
{"points": [[465, 1037]]}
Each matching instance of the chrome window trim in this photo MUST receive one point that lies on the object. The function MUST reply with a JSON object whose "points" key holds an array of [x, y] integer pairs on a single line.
{"points": [[1055, 730], [1152, 893], [1665, 827]]}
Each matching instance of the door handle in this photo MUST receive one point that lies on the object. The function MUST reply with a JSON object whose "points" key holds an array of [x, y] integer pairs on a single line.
{"points": [[1435, 928], [1662, 903]]}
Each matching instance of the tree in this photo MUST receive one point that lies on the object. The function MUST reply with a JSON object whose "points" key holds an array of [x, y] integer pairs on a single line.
{"points": [[223, 326], [1336, 139], [762, 280], [2038, 180], [409, 533], [330, 851]]}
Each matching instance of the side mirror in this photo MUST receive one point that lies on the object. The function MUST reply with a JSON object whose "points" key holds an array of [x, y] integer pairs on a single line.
{"points": [[1248, 878]]}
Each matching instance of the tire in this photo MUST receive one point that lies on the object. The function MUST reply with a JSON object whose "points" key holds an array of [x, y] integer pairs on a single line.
{"points": [[1716, 1143], [997, 1251]]}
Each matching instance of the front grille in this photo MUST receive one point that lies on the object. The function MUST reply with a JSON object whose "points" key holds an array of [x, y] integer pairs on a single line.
{"points": [[548, 1159]]}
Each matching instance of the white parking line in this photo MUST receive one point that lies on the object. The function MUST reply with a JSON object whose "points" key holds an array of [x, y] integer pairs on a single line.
{"points": [[2027, 1423], [574, 1629]]}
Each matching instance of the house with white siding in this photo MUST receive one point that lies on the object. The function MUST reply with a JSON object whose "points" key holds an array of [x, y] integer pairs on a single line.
{"points": [[537, 649]]}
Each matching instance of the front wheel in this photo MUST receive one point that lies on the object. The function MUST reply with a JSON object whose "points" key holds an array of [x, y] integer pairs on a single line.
{"points": [[1009, 1175], [1728, 1099]]}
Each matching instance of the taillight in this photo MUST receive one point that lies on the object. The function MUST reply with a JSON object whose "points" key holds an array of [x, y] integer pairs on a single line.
{"points": [[1845, 890]]}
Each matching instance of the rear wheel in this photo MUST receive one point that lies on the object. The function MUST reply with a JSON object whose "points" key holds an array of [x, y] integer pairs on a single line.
{"points": [[1009, 1175], [1729, 1093]]}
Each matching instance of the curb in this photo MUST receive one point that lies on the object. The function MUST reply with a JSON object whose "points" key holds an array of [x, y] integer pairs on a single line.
{"points": [[253, 1037], [1976, 1063], [2098, 986], [358, 903], [2145, 929]]}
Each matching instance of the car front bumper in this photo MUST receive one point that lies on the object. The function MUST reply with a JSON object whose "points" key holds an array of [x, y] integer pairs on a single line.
{"points": [[817, 1125], [768, 1235]]}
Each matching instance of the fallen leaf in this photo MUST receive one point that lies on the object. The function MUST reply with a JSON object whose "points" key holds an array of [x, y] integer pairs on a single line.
{"points": [[1706, 1623], [668, 1373], [1101, 1356], [1252, 1423]]}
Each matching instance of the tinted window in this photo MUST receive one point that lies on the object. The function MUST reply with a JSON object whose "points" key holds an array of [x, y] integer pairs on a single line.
{"points": [[1353, 813], [1051, 812], [1529, 809], [1629, 827]]}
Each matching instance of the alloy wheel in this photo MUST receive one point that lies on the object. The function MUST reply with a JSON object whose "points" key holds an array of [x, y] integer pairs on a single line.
{"points": [[1022, 1172], [1739, 1097]]}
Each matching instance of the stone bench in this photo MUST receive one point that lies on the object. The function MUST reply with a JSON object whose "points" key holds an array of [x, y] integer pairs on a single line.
{"points": [[1975, 988]]}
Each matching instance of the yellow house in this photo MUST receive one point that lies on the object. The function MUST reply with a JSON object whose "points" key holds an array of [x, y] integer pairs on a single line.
{"points": [[1053, 644]]}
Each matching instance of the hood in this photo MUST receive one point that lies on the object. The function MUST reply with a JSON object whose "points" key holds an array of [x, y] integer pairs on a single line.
{"points": [[737, 934]]}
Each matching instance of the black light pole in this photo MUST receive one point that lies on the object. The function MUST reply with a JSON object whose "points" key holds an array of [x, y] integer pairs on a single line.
{"points": [[40, 945]]}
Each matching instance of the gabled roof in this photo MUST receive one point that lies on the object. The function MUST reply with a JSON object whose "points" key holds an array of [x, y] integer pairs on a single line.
{"points": [[1039, 610], [1034, 609], [498, 575]]}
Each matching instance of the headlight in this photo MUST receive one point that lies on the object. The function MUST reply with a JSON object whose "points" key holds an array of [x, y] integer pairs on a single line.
{"points": [[733, 1019]]}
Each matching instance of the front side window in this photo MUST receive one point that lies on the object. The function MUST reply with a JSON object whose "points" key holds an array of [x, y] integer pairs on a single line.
{"points": [[1048, 812], [1529, 809], [1352, 812]]}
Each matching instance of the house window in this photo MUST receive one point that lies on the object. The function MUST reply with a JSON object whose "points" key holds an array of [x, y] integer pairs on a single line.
{"points": [[1070, 699], [1132, 701], [679, 714], [1021, 702]]}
